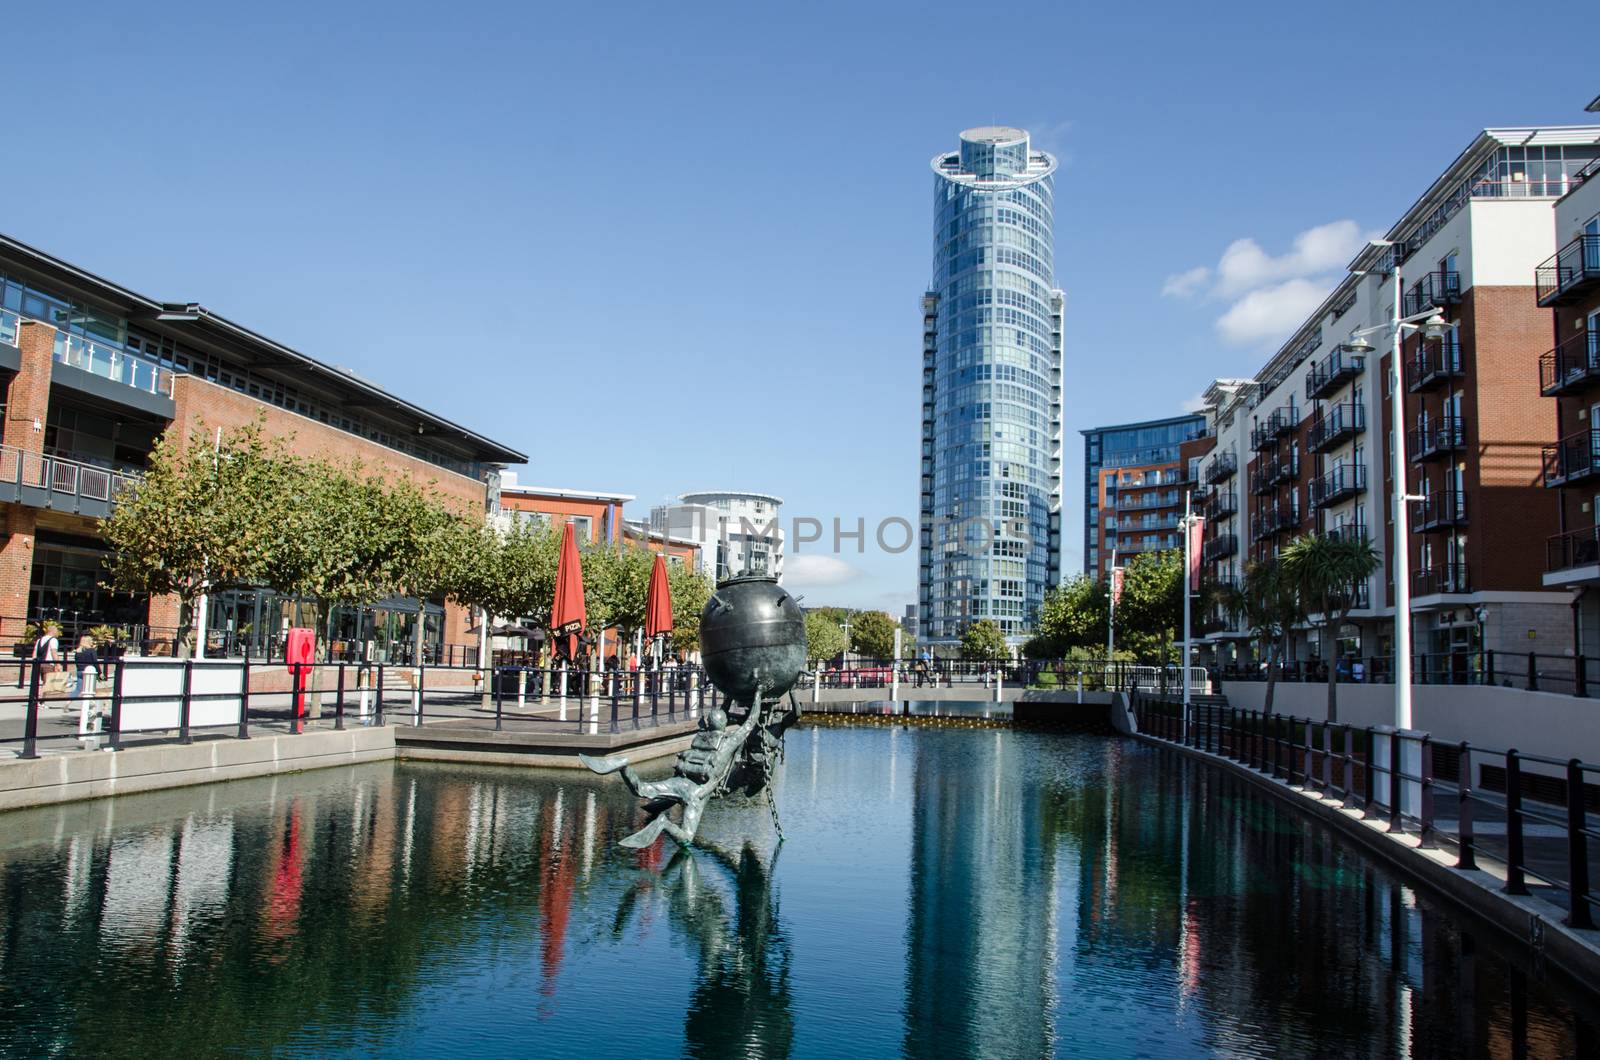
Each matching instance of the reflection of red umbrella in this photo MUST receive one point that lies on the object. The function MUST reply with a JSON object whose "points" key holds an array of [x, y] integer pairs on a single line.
{"points": [[567, 616], [658, 601]]}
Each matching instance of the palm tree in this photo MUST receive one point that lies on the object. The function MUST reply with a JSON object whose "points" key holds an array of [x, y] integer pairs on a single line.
{"points": [[1266, 602], [1326, 573]]}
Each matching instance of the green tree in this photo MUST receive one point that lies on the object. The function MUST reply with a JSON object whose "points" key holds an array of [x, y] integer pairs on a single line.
{"points": [[1150, 612], [208, 518], [1266, 602], [1327, 573], [872, 634], [1073, 615], [690, 590], [824, 638], [983, 640]]}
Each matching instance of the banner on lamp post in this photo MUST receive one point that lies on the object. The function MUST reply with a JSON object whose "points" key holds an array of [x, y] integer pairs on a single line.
{"points": [[1116, 584], [1197, 533]]}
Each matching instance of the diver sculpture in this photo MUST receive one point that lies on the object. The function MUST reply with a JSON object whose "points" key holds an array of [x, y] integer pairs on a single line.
{"points": [[753, 645]]}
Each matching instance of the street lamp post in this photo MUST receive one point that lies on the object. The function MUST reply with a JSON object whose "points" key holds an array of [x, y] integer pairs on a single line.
{"points": [[1432, 325]]}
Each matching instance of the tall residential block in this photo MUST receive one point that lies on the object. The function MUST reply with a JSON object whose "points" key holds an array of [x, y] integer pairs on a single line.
{"points": [[990, 540]]}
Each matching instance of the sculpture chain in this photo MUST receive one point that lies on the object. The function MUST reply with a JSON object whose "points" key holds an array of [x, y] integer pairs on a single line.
{"points": [[772, 806]]}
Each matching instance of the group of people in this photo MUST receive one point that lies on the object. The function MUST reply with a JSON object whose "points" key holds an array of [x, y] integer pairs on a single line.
{"points": [[72, 682]]}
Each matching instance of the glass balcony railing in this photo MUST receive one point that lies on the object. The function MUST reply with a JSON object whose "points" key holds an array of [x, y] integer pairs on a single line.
{"points": [[109, 361]]}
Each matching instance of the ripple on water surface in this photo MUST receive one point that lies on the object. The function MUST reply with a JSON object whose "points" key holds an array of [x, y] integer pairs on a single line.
{"points": [[941, 893]]}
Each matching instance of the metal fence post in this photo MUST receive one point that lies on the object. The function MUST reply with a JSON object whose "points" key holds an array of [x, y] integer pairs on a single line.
{"points": [[1464, 845], [1425, 801], [615, 677], [499, 679], [185, 702], [377, 698], [1515, 855], [338, 705], [1580, 915], [1368, 781], [416, 719], [1580, 678], [244, 694], [1533, 672], [30, 725], [1488, 659]]}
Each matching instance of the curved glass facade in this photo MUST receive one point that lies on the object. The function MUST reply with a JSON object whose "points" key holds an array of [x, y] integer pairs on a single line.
{"points": [[991, 486]]}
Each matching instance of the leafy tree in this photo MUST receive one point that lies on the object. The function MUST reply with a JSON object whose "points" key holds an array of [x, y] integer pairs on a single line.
{"points": [[1266, 602], [1150, 612], [616, 584], [690, 590], [872, 634], [824, 638], [984, 641], [1326, 573], [204, 519], [1073, 615]]}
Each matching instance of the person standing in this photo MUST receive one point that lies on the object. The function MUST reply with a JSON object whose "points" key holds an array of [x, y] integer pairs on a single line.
{"points": [[87, 662]]}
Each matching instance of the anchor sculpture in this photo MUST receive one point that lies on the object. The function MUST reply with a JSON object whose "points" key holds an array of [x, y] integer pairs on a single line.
{"points": [[753, 646]]}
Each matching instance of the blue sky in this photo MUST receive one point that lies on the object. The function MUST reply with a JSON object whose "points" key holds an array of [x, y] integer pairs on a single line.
{"points": [[674, 247]]}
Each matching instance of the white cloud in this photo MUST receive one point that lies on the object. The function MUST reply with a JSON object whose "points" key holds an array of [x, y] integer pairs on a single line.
{"points": [[817, 571], [1268, 315], [1196, 402], [1244, 266], [1187, 283]]}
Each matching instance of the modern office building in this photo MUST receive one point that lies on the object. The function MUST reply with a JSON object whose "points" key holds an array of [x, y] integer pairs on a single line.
{"points": [[596, 516], [732, 530], [1134, 479], [94, 373], [1568, 283], [990, 539], [1304, 446]]}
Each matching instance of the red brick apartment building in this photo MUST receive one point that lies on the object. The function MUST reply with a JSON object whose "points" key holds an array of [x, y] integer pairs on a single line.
{"points": [[94, 373], [1311, 430]]}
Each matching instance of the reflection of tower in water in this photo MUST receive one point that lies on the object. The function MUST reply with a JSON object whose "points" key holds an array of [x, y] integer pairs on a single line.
{"points": [[981, 931]]}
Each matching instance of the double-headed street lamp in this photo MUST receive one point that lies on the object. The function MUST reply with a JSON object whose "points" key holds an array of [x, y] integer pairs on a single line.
{"points": [[1432, 325]]}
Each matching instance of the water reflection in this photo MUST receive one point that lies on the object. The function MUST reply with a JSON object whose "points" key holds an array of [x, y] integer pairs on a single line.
{"points": [[944, 893]]}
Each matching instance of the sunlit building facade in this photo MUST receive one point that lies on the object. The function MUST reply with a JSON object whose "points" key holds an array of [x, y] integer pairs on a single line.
{"points": [[991, 390]]}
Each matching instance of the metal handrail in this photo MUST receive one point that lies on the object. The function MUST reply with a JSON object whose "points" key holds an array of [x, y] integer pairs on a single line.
{"points": [[21, 467]]}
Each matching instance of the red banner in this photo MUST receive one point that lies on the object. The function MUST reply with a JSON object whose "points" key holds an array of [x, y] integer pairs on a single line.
{"points": [[1116, 585], [1197, 533]]}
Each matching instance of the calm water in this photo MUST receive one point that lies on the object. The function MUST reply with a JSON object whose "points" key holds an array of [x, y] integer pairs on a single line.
{"points": [[941, 893]]}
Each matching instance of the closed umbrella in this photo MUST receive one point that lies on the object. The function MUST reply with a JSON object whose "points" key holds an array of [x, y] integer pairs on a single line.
{"points": [[567, 617], [658, 603]]}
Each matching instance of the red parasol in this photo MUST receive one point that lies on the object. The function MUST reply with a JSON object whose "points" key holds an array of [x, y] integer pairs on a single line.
{"points": [[658, 601], [567, 617]]}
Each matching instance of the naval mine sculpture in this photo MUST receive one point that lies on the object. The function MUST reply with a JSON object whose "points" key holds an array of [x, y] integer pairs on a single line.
{"points": [[753, 647]]}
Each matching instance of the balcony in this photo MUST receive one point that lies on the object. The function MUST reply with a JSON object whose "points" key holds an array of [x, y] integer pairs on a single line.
{"points": [[1574, 459], [1440, 511], [1222, 504], [110, 361], [1441, 578], [1143, 503], [1333, 372], [58, 483], [1348, 532], [1569, 273], [1571, 366], [1341, 483], [1434, 364], [1435, 289], [1448, 435], [1222, 467], [1282, 470], [1266, 433], [1219, 547], [1336, 424], [1575, 548], [1270, 522]]}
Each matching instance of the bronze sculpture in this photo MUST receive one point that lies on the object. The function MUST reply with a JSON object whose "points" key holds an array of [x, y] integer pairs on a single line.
{"points": [[753, 644]]}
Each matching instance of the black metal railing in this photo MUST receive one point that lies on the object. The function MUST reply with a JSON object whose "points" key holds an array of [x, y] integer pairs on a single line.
{"points": [[1438, 288], [1336, 424], [1568, 272], [1445, 435], [122, 702], [1570, 366], [1221, 503], [1219, 547], [1281, 421], [1332, 372], [1348, 532], [1221, 467], [1575, 548], [1528, 671], [1434, 363], [1573, 459], [1440, 510], [1440, 578], [1341, 482], [1534, 815]]}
